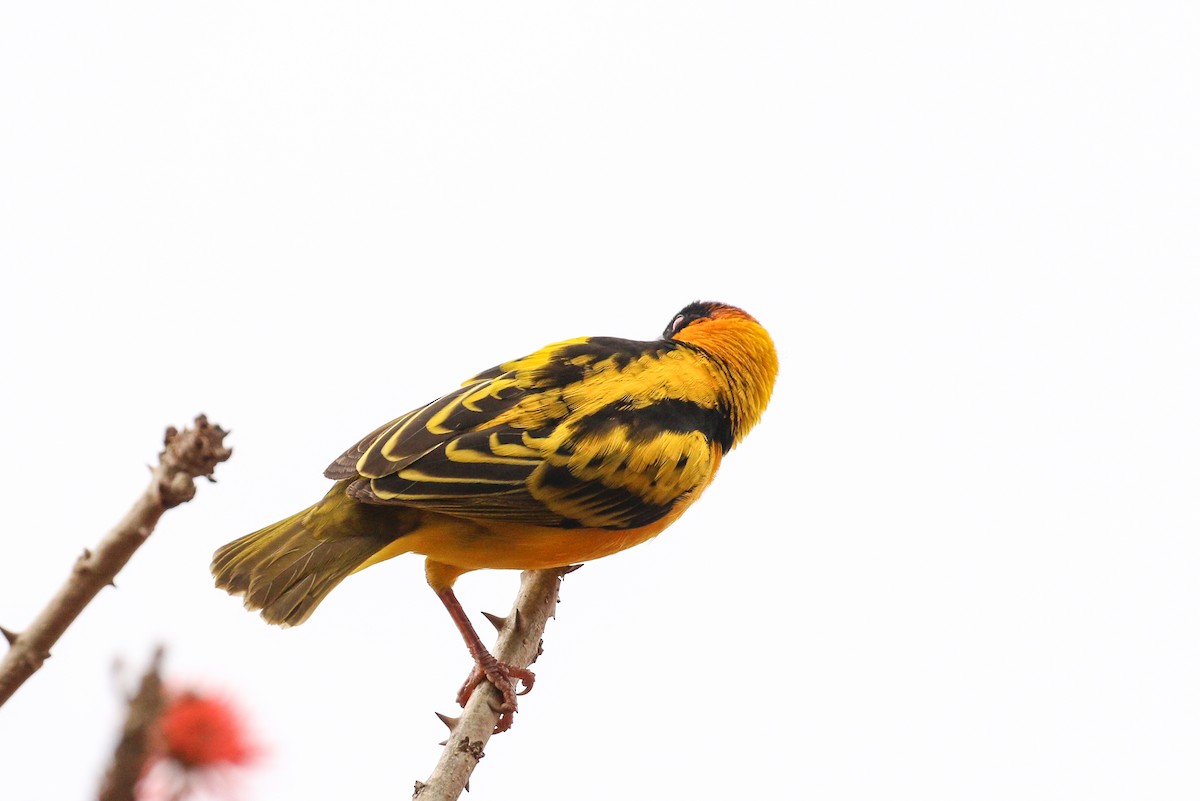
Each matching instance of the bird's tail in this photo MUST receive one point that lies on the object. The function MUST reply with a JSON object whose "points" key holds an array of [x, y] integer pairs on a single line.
{"points": [[287, 568]]}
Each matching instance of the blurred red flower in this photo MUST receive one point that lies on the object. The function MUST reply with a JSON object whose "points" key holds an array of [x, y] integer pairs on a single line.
{"points": [[200, 737], [204, 731]]}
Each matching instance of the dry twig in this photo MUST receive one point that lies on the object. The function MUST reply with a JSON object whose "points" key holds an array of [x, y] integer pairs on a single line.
{"points": [[519, 644], [186, 456]]}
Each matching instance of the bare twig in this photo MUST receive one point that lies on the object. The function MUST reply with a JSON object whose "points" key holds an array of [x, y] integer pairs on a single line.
{"points": [[187, 455], [519, 644], [134, 747]]}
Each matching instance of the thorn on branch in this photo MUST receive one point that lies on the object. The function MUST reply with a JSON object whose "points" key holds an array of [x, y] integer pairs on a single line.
{"points": [[10, 636], [82, 563], [35, 659], [449, 721], [496, 620]]}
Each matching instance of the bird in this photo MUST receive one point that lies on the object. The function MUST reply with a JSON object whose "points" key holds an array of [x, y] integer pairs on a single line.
{"points": [[577, 451]]}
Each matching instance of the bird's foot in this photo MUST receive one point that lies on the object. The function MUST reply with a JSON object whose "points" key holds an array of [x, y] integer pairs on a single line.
{"points": [[505, 678]]}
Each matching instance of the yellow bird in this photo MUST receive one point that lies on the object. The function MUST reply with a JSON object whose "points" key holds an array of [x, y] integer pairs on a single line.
{"points": [[576, 451]]}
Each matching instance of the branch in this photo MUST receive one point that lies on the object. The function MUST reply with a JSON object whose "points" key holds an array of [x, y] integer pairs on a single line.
{"points": [[519, 644], [187, 455], [129, 759]]}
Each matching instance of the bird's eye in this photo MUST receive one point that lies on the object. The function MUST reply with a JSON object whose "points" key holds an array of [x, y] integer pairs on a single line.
{"points": [[688, 316]]}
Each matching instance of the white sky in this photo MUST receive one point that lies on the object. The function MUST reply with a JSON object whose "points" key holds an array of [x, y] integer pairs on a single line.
{"points": [[958, 558]]}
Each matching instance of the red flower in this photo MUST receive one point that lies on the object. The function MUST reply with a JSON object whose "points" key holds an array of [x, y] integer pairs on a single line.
{"points": [[204, 731], [200, 738]]}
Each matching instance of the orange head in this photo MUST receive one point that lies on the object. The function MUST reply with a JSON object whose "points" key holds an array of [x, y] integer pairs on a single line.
{"points": [[738, 343]]}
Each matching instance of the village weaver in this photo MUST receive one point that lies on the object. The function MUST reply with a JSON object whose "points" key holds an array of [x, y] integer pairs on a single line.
{"points": [[576, 451]]}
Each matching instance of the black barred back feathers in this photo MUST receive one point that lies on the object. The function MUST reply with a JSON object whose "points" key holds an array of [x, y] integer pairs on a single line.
{"points": [[601, 431]]}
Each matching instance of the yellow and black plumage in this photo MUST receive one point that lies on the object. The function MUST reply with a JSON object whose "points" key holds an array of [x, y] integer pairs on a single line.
{"points": [[576, 451]]}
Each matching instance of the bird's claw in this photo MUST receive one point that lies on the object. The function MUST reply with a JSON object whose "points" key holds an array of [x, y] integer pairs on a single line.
{"points": [[504, 677]]}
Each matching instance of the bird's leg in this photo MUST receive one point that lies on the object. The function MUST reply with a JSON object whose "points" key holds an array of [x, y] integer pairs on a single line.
{"points": [[502, 675]]}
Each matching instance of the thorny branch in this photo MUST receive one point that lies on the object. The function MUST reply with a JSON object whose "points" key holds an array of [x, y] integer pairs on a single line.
{"points": [[186, 456], [519, 644]]}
